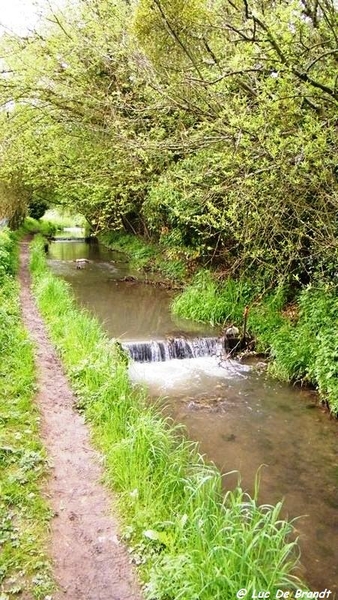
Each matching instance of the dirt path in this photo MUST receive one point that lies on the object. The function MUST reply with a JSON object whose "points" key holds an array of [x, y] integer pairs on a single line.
{"points": [[89, 561]]}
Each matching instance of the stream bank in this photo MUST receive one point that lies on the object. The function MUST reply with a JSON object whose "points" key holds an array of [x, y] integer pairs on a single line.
{"points": [[241, 418], [187, 538], [25, 566], [296, 326]]}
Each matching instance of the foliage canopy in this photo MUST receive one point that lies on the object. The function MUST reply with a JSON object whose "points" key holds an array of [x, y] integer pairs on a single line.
{"points": [[209, 125]]}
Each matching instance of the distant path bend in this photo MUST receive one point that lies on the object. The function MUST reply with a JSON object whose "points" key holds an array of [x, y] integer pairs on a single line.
{"points": [[90, 563]]}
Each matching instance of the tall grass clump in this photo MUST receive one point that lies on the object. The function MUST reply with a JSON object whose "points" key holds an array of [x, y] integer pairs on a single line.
{"points": [[207, 301], [140, 253], [44, 227], [189, 540], [8, 254], [265, 317], [24, 515], [303, 348], [306, 350]]}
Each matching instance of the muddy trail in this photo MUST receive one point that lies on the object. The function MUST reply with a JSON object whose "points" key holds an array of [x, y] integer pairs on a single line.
{"points": [[89, 561]]}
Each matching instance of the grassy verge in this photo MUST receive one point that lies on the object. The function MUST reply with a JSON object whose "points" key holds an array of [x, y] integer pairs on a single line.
{"points": [[61, 218], [24, 515], [51, 222], [301, 341], [189, 540]]}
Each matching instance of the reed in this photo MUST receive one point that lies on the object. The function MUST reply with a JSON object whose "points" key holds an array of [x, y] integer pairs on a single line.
{"points": [[207, 301], [189, 540]]}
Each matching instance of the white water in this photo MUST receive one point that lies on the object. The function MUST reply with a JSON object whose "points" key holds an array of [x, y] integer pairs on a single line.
{"points": [[185, 375]]}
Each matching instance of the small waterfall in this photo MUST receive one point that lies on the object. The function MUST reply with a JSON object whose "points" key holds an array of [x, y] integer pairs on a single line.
{"points": [[156, 351]]}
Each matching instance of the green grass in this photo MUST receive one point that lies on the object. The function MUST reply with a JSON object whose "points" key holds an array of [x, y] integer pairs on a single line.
{"points": [[31, 225], [8, 255], [51, 222], [189, 541], [139, 253], [205, 300], [307, 349], [24, 514]]}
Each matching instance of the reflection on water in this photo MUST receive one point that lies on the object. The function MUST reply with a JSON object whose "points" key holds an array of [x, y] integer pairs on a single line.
{"points": [[128, 310], [241, 418]]}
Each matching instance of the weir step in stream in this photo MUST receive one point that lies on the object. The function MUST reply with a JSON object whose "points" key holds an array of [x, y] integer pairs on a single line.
{"points": [[162, 350]]}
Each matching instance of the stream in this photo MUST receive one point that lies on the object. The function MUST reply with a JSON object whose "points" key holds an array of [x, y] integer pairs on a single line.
{"points": [[241, 418]]}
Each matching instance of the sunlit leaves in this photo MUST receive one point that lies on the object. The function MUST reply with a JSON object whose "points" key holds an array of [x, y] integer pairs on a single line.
{"points": [[209, 125]]}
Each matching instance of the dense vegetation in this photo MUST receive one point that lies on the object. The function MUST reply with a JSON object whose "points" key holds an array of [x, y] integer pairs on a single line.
{"points": [[301, 337], [24, 515], [210, 126], [188, 539]]}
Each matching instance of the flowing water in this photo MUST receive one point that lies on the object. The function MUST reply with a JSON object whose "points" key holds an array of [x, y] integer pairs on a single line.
{"points": [[129, 310], [242, 418]]}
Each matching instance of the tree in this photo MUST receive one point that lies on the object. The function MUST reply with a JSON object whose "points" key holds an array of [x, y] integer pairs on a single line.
{"points": [[217, 134]]}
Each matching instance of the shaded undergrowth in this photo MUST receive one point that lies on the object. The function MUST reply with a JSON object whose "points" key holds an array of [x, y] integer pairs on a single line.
{"points": [[24, 515], [171, 263], [190, 541]]}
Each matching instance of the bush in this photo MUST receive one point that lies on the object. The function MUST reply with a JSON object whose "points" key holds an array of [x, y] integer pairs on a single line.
{"points": [[8, 256], [307, 350]]}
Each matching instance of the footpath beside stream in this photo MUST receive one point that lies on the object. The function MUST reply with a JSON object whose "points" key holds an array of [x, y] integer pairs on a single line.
{"points": [[89, 562], [241, 418]]}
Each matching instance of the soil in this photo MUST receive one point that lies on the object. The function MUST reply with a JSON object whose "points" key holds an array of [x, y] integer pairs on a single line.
{"points": [[90, 562]]}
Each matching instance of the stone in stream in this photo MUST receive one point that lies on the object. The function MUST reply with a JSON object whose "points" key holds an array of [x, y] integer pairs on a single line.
{"points": [[81, 262]]}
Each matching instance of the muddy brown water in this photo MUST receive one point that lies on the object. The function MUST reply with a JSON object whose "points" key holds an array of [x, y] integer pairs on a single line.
{"points": [[241, 418]]}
